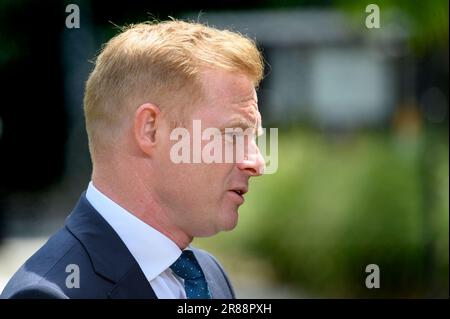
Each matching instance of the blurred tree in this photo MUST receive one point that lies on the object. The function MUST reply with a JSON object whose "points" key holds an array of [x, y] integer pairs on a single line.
{"points": [[427, 21]]}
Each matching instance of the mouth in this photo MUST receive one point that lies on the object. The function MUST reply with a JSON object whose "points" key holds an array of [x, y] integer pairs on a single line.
{"points": [[238, 193], [240, 190]]}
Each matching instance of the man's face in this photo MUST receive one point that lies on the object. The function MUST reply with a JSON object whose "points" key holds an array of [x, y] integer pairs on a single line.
{"points": [[202, 199]]}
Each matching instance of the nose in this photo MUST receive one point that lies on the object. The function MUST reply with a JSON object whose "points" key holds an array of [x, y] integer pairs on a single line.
{"points": [[253, 163]]}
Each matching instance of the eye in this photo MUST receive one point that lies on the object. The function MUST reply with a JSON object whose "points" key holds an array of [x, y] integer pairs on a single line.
{"points": [[232, 137]]}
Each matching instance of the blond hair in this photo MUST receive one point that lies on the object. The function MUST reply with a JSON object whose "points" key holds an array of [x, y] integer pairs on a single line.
{"points": [[159, 63]]}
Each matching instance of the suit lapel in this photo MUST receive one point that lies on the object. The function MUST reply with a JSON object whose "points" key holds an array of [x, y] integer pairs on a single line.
{"points": [[131, 285], [110, 257], [216, 283]]}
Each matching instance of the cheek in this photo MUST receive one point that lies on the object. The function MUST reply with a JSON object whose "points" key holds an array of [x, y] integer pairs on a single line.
{"points": [[194, 183], [209, 182], [218, 173]]}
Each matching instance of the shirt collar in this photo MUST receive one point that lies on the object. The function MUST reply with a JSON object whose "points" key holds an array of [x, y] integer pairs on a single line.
{"points": [[153, 251]]}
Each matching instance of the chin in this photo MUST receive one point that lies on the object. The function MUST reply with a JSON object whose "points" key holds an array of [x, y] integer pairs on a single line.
{"points": [[226, 221], [229, 220]]}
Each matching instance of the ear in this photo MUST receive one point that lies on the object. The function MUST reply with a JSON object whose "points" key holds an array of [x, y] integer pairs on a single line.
{"points": [[146, 120]]}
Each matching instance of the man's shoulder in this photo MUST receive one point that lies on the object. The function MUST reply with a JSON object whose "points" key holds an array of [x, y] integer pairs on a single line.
{"points": [[206, 256], [35, 274], [52, 271], [215, 274]]}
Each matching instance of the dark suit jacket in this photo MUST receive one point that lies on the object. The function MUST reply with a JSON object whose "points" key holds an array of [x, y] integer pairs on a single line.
{"points": [[106, 267]]}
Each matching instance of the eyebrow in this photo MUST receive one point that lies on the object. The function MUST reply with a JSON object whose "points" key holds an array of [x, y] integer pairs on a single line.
{"points": [[244, 124]]}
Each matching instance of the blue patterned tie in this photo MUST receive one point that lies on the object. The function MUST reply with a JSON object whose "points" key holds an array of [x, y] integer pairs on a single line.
{"points": [[187, 267]]}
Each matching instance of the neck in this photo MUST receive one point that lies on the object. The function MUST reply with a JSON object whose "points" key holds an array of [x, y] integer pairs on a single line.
{"points": [[140, 200]]}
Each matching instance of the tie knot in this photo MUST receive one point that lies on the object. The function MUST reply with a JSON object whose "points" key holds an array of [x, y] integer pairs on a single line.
{"points": [[187, 266]]}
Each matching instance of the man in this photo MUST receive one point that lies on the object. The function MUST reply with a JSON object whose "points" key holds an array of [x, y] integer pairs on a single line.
{"points": [[129, 234]]}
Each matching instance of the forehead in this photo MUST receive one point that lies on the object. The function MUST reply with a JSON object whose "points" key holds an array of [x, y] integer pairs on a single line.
{"points": [[227, 86], [228, 97]]}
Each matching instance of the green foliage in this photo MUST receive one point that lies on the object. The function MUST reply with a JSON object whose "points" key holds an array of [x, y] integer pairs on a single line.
{"points": [[334, 207], [427, 21]]}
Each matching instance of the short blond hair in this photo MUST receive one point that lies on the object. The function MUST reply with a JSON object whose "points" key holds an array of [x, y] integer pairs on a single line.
{"points": [[159, 63]]}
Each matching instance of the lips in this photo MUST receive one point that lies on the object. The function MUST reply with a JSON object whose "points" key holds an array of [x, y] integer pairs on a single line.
{"points": [[238, 199], [238, 193], [240, 190]]}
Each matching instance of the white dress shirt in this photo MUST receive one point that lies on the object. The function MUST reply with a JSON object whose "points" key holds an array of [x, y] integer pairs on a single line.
{"points": [[153, 251]]}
